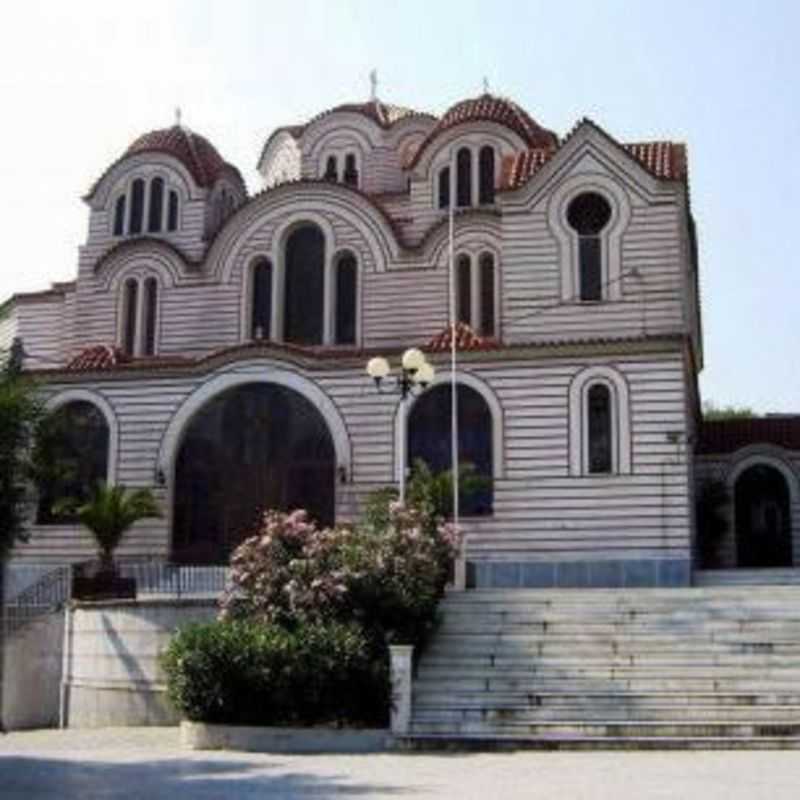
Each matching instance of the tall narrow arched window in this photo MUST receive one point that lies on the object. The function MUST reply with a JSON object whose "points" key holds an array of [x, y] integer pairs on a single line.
{"points": [[137, 206], [587, 215], [119, 216], [350, 170], [599, 429], [486, 173], [150, 316], [261, 310], [304, 302], [74, 444], [464, 290], [346, 293], [156, 211], [172, 212], [487, 327], [331, 169], [464, 177], [444, 188], [130, 308], [429, 440]]}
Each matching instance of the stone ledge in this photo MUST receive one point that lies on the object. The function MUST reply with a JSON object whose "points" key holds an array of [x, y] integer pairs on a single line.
{"points": [[206, 736]]}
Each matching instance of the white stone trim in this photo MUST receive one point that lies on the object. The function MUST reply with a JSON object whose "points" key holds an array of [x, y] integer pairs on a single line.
{"points": [[620, 420], [61, 399], [611, 235]]}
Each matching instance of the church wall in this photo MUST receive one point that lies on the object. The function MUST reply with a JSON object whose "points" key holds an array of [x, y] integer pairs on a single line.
{"points": [[8, 327]]}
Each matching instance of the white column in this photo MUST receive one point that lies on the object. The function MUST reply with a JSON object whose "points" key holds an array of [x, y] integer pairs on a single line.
{"points": [[400, 656]]}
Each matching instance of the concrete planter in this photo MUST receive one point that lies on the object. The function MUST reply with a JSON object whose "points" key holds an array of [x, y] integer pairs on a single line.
{"points": [[204, 736]]}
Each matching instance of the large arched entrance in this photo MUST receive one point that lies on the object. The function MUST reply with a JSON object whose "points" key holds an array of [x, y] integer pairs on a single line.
{"points": [[253, 447], [763, 518]]}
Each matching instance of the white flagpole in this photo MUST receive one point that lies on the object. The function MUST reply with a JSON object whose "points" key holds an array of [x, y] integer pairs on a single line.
{"points": [[453, 315]]}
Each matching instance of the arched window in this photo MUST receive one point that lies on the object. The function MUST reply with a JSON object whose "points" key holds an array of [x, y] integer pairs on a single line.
{"points": [[350, 170], [486, 172], [74, 444], [599, 429], [119, 216], [346, 293], [137, 206], [150, 316], [587, 215], [429, 439], [331, 169], [261, 313], [172, 211], [487, 295], [464, 177], [464, 290], [304, 303], [156, 211], [130, 308], [444, 188]]}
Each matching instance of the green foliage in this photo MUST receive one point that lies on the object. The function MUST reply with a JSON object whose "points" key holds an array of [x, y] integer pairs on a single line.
{"points": [[711, 411], [711, 500], [433, 492], [20, 412], [249, 673], [111, 511]]}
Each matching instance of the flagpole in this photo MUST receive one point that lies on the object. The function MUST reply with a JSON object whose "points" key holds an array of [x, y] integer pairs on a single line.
{"points": [[453, 313]]}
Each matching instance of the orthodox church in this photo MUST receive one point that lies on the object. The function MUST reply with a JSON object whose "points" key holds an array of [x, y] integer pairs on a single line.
{"points": [[213, 347]]}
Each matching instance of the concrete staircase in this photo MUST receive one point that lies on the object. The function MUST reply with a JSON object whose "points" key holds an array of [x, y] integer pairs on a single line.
{"points": [[715, 667]]}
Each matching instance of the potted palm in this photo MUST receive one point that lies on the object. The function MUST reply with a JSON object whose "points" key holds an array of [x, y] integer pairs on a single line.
{"points": [[108, 514]]}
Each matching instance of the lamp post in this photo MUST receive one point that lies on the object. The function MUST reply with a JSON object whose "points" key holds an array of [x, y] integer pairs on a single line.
{"points": [[415, 375]]}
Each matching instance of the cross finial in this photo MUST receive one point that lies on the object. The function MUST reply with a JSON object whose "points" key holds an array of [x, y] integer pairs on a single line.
{"points": [[485, 85], [178, 116], [373, 83]]}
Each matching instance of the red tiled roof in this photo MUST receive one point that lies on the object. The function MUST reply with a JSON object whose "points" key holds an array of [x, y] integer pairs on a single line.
{"points": [[488, 108], [383, 114], [662, 159], [466, 340], [728, 435], [100, 356]]}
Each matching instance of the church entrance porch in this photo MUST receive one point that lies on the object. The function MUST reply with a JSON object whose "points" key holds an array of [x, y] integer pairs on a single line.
{"points": [[252, 447]]}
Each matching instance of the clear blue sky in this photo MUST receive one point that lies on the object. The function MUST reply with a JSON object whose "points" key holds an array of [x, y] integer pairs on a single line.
{"points": [[79, 80]]}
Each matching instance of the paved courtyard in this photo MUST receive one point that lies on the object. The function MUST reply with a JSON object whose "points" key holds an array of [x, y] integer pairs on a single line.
{"points": [[148, 763]]}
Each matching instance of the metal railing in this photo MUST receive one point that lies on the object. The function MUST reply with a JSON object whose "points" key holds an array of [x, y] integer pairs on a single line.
{"points": [[174, 580], [47, 594]]}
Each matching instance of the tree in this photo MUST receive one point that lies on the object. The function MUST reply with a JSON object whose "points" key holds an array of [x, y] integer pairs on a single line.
{"points": [[713, 412]]}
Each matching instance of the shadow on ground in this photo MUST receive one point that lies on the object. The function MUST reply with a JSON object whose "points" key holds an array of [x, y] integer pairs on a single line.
{"points": [[31, 778]]}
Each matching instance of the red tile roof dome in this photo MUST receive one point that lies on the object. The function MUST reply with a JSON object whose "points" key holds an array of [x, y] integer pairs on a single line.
{"points": [[194, 151], [489, 108], [466, 340]]}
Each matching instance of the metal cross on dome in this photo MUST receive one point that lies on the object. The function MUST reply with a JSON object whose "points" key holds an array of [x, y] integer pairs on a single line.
{"points": [[485, 85]]}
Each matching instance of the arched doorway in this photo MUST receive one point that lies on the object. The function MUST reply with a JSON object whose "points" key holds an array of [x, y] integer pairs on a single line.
{"points": [[253, 447], [763, 518]]}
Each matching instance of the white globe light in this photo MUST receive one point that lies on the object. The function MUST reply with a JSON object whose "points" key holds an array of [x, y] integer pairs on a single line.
{"points": [[425, 374], [413, 359], [378, 368]]}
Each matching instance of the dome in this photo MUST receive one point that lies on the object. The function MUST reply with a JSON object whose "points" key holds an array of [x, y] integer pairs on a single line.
{"points": [[488, 108]]}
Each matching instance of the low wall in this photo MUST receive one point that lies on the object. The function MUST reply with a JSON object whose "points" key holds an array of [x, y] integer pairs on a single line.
{"points": [[32, 659], [112, 675]]}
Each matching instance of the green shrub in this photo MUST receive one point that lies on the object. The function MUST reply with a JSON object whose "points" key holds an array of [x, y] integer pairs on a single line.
{"points": [[245, 672]]}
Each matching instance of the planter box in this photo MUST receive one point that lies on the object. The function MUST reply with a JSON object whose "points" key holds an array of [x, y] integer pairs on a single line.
{"points": [[103, 586], [205, 736]]}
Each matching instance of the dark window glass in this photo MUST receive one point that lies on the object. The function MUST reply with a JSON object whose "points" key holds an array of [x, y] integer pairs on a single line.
{"points": [[119, 216], [350, 170], [130, 305], [464, 177], [150, 315], [346, 286], [464, 290], [487, 294], [74, 442], [252, 448], [587, 215], [444, 188], [331, 172], [486, 170], [262, 299], [305, 283], [599, 420], [429, 439], [156, 212], [172, 212], [137, 206]]}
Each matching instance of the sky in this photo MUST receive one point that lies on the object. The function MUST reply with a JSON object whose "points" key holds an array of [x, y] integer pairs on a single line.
{"points": [[79, 81]]}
